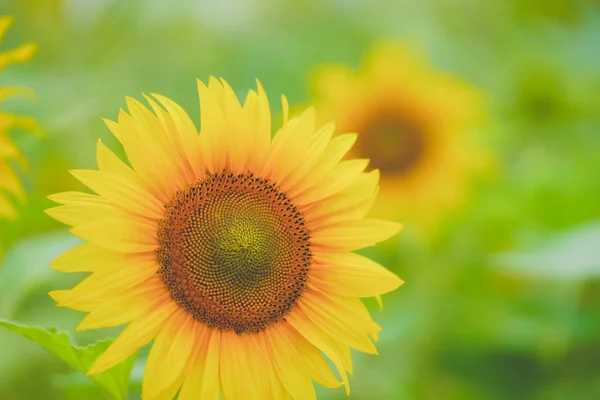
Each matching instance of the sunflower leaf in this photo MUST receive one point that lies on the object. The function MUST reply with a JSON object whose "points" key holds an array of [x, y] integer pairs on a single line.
{"points": [[113, 382]]}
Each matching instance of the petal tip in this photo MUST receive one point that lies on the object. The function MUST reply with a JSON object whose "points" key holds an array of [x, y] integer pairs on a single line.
{"points": [[59, 296]]}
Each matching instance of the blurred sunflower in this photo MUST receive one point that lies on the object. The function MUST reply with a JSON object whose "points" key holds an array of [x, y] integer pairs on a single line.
{"points": [[231, 250], [566, 12], [543, 95], [413, 124], [9, 182]]}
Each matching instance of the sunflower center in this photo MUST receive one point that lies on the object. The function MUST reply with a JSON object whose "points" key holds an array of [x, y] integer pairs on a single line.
{"points": [[393, 143], [234, 251]]}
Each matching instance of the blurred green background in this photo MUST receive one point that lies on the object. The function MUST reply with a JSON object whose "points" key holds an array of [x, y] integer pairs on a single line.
{"points": [[504, 304]]}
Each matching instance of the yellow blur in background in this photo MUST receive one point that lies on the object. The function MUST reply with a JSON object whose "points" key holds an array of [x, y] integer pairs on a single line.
{"points": [[482, 118]]}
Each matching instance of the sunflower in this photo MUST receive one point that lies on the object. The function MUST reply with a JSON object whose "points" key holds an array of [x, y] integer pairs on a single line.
{"points": [[413, 124], [230, 249], [9, 182]]}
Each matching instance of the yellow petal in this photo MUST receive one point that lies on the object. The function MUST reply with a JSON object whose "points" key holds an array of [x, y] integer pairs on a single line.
{"points": [[290, 146], [88, 257], [127, 194], [113, 127], [354, 312], [75, 198], [237, 141], [179, 157], [331, 156], [81, 213], [8, 149], [186, 134], [257, 119], [109, 162], [318, 144], [263, 368], [327, 315], [341, 176], [210, 376], [81, 207], [214, 136], [10, 182], [7, 210], [352, 275], [147, 151], [311, 359], [20, 54], [169, 354], [354, 234], [7, 92], [194, 381], [136, 335], [277, 390], [5, 23], [353, 202], [236, 369], [339, 355], [285, 109], [122, 234], [102, 286], [170, 392], [125, 307], [291, 372]]}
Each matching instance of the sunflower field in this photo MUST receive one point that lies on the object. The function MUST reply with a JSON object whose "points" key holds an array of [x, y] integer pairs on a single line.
{"points": [[373, 200]]}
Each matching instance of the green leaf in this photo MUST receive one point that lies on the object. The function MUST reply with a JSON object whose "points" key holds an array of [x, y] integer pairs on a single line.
{"points": [[113, 382]]}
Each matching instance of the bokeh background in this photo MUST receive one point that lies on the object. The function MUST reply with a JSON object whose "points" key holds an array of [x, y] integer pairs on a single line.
{"points": [[502, 302]]}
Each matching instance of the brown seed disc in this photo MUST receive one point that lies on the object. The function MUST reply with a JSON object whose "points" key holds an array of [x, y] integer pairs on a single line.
{"points": [[393, 143], [234, 251]]}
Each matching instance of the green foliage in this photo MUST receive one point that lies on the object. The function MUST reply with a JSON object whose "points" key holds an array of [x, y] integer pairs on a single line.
{"points": [[113, 382]]}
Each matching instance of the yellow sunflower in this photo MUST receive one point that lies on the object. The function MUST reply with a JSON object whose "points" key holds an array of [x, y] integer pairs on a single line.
{"points": [[230, 249], [413, 124], [9, 182]]}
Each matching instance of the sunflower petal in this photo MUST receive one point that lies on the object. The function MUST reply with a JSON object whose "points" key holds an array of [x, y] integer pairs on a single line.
{"points": [[330, 347], [128, 194], [210, 376], [354, 234], [186, 134], [311, 359], [289, 147], [287, 364], [106, 284], [136, 335], [169, 354], [236, 369], [257, 117], [352, 203], [109, 162], [352, 275], [125, 307], [81, 213], [88, 257], [117, 234], [213, 133], [318, 144], [341, 176], [326, 314], [331, 156], [194, 381]]}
